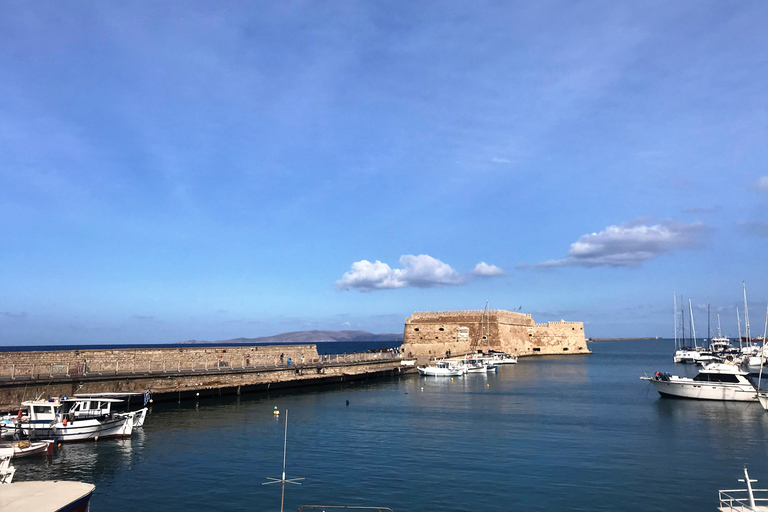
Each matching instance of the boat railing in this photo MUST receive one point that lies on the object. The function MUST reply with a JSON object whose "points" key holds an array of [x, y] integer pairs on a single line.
{"points": [[738, 499], [311, 508]]}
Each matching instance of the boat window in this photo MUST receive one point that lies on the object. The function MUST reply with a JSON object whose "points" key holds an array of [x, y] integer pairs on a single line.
{"points": [[716, 377], [42, 409]]}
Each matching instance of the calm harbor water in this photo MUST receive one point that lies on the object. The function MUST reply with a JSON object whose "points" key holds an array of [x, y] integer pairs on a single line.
{"points": [[556, 433]]}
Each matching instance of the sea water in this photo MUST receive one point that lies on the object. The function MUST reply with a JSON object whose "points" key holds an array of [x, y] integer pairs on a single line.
{"points": [[550, 433]]}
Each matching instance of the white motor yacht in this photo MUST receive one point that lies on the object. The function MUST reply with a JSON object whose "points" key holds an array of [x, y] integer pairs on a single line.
{"points": [[72, 419], [717, 381]]}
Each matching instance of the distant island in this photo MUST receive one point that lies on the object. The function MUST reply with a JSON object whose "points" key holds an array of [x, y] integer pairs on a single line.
{"points": [[309, 337], [625, 339]]}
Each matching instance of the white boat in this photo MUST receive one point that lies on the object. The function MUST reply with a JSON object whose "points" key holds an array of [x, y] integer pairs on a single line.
{"points": [[132, 404], [717, 381], [442, 369], [476, 366], [40, 496], [500, 358], [27, 448], [743, 500], [69, 419]]}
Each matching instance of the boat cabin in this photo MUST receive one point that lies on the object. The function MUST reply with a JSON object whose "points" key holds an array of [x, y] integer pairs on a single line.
{"points": [[56, 408]]}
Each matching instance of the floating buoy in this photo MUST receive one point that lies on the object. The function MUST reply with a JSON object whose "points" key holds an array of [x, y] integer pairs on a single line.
{"points": [[451, 379], [276, 412]]}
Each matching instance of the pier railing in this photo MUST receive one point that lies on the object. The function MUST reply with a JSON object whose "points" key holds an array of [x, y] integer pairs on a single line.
{"points": [[27, 371], [737, 500]]}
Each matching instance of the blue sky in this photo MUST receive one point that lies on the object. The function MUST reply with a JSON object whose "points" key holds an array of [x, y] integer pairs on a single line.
{"points": [[201, 170]]}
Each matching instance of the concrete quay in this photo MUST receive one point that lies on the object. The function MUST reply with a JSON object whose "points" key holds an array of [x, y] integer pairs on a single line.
{"points": [[172, 381]]}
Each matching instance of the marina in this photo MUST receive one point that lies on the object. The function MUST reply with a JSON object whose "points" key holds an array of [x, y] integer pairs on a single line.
{"points": [[577, 433]]}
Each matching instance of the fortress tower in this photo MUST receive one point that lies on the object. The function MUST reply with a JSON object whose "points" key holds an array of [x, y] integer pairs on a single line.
{"points": [[434, 334]]}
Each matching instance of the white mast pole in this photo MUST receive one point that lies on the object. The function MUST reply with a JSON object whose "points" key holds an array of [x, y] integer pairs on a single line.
{"points": [[719, 334], [674, 310], [738, 322], [746, 316], [693, 327]]}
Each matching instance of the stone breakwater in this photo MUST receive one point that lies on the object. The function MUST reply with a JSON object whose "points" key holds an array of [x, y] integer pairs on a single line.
{"points": [[433, 334], [181, 373]]}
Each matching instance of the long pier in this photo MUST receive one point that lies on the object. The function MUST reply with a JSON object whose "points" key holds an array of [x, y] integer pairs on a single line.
{"points": [[200, 373]]}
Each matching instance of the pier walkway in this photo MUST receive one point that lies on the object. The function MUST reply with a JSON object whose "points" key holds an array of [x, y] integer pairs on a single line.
{"points": [[180, 380]]}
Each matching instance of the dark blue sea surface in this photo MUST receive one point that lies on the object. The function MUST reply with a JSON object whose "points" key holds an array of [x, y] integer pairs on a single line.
{"points": [[551, 433]]}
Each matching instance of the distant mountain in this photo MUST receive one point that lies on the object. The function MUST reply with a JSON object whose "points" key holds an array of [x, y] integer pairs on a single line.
{"points": [[307, 337]]}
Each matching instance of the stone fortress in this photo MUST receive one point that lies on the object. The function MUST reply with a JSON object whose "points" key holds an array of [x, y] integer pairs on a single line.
{"points": [[436, 334]]}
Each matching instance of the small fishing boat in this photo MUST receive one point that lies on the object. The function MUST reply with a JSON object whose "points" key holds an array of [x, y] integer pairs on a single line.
{"points": [[69, 419], [40, 496], [500, 357], [27, 448], [717, 381], [133, 405], [476, 366], [743, 500], [442, 369]]}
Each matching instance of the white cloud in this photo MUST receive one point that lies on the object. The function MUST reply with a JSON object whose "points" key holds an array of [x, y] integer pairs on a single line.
{"points": [[498, 160], [630, 243], [762, 184], [483, 269], [421, 271]]}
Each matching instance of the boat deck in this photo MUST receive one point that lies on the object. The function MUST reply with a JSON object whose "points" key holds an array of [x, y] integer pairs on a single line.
{"points": [[47, 496]]}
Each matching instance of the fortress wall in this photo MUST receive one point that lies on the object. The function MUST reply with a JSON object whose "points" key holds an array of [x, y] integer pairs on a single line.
{"points": [[432, 334], [142, 358], [559, 338]]}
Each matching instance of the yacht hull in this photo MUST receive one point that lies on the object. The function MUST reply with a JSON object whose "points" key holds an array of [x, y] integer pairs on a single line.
{"points": [[705, 391]]}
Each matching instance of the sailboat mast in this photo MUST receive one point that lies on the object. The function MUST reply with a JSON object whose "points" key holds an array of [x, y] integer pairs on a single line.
{"points": [[682, 316], [674, 312], [738, 322], [693, 327], [746, 316], [709, 322]]}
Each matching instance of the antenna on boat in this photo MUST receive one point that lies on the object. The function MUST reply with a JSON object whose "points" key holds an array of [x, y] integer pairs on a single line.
{"points": [[284, 480], [719, 334], [747, 480]]}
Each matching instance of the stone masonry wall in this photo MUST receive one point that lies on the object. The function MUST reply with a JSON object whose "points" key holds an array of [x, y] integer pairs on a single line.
{"points": [[438, 334], [142, 359]]}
